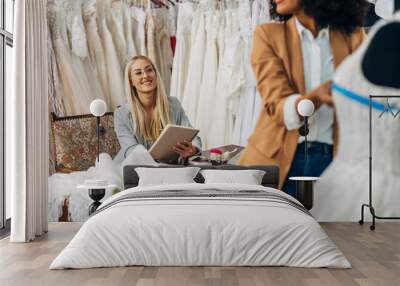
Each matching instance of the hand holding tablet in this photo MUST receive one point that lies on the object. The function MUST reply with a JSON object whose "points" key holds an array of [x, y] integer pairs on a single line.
{"points": [[185, 149], [173, 142]]}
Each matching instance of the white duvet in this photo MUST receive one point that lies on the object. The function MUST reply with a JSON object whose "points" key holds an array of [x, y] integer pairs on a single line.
{"points": [[200, 231]]}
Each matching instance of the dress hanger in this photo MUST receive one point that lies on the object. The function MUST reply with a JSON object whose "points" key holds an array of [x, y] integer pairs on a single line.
{"points": [[388, 108], [160, 3]]}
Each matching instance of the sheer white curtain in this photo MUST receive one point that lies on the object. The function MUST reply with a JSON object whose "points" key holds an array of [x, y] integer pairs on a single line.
{"points": [[27, 123]]}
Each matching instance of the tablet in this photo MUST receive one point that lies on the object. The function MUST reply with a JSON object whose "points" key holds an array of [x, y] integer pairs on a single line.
{"points": [[162, 151]]}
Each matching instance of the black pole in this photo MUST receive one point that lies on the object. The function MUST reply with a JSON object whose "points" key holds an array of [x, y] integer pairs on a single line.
{"points": [[305, 139], [98, 137], [370, 151]]}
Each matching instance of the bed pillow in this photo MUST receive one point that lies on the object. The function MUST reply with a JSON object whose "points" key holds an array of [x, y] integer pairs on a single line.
{"points": [[248, 177], [166, 176]]}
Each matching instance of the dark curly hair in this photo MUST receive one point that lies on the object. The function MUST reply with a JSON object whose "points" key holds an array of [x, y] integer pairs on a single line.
{"points": [[342, 15]]}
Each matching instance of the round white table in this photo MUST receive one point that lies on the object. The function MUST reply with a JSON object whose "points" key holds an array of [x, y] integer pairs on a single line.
{"points": [[96, 193], [305, 190]]}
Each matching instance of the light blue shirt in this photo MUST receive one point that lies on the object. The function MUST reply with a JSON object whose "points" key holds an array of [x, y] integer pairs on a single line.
{"points": [[318, 68], [126, 129]]}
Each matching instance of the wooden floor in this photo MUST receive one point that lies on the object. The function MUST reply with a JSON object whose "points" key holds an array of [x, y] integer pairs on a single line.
{"points": [[375, 257]]}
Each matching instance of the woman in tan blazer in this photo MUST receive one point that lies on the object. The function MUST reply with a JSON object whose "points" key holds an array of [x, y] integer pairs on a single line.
{"points": [[293, 60]]}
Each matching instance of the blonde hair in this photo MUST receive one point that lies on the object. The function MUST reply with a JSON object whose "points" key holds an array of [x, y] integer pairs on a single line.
{"points": [[150, 130]]}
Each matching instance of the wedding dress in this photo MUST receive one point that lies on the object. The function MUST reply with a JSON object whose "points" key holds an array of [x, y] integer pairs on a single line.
{"points": [[242, 127], [207, 96], [250, 102], [96, 51], [72, 78], [56, 94], [344, 185], [235, 65], [151, 39], [128, 32], [80, 60], [172, 19], [114, 70], [231, 80], [215, 132], [138, 28], [195, 74], [116, 24], [74, 21], [163, 45], [182, 50]]}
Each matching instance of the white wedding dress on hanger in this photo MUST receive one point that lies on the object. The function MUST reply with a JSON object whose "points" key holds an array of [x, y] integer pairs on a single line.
{"points": [[138, 28], [75, 91], [116, 24], [128, 32], [80, 56], [151, 39], [56, 92], [182, 50], [163, 45], [250, 102], [114, 70], [75, 27], [95, 49], [231, 80], [196, 64], [206, 103], [343, 187]]}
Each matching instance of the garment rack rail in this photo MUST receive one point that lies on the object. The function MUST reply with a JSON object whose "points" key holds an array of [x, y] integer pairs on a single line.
{"points": [[370, 204]]}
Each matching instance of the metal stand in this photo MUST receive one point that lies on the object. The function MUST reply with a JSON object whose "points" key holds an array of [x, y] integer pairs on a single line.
{"points": [[305, 190], [305, 138], [100, 131], [305, 193], [370, 205], [96, 195]]}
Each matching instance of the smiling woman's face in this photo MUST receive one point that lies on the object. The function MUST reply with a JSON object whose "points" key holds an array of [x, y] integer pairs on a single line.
{"points": [[143, 76], [286, 7]]}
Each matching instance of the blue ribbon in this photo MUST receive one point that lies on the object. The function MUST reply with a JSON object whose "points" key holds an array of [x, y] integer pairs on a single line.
{"points": [[364, 100]]}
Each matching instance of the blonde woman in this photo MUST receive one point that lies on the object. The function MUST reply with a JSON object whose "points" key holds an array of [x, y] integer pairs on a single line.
{"points": [[148, 111]]}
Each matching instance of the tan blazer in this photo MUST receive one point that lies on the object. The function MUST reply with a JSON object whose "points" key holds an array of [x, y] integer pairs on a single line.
{"points": [[278, 66]]}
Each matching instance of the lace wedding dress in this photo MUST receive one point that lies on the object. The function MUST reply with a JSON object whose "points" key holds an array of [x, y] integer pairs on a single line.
{"points": [[231, 80], [76, 92], [114, 69], [80, 56], [163, 45], [95, 49], [193, 82], [182, 50], [116, 24], [138, 17], [344, 185], [250, 103], [131, 50], [206, 107]]}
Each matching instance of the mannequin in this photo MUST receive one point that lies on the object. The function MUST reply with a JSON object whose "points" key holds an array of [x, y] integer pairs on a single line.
{"points": [[386, 8], [372, 69], [371, 18], [381, 63]]}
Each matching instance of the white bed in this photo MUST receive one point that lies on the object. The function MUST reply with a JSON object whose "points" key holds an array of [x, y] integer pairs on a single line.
{"points": [[184, 230]]}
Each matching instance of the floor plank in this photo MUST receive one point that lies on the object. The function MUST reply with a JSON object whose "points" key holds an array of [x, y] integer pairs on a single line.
{"points": [[374, 255]]}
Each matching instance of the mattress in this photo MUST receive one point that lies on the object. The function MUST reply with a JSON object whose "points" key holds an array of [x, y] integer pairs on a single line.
{"points": [[201, 225]]}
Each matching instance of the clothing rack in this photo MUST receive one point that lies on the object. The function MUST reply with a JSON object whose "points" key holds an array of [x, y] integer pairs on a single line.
{"points": [[370, 203], [166, 3]]}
